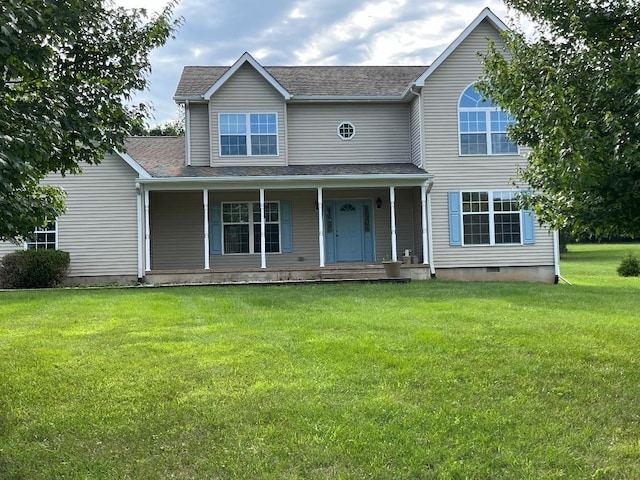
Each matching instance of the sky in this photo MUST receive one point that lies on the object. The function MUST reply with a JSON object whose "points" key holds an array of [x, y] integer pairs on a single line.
{"points": [[302, 32]]}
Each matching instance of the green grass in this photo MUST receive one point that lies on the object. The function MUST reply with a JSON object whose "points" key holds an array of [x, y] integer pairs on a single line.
{"points": [[425, 380]]}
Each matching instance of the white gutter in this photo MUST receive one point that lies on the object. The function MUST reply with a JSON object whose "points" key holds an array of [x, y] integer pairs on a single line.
{"points": [[286, 181]]}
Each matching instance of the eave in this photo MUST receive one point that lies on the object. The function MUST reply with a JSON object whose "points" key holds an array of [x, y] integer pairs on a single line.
{"points": [[288, 181]]}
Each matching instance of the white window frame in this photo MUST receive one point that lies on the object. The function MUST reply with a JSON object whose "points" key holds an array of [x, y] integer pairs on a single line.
{"points": [[36, 245], [248, 134], [492, 214], [486, 110], [349, 125], [251, 223]]}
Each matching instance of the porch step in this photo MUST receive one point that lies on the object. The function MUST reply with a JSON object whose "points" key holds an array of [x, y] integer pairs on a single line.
{"points": [[369, 273], [352, 275]]}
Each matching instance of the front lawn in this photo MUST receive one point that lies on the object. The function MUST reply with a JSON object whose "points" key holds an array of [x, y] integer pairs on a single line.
{"points": [[424, 380]]}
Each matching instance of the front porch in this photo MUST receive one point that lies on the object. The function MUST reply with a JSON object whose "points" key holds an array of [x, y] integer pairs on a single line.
{"points": [[296, 227], [300, 274]]}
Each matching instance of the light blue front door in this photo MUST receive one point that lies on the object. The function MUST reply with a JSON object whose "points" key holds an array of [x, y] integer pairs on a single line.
{"points": [[349, 232]]}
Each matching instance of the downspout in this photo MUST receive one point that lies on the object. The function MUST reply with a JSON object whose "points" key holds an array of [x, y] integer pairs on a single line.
{"points": [[432, 266], [139, 232], [556, 258], [187, 132], [147, 237]]}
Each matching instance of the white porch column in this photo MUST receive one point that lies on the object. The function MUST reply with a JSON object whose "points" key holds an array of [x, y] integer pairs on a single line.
{"points": [[320, 227], [147, 237], [140, 239], [423, 207], [263, 240], [432, 266], [392, 206], [205, 203]]}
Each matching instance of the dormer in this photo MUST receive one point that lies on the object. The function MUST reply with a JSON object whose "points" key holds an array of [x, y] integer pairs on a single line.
{"points": [[234, 116]]}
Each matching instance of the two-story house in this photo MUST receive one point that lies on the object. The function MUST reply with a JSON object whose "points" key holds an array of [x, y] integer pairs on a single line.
{"points": [[293, 172]]}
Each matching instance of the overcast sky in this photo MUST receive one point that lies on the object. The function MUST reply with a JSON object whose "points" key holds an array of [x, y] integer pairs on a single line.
{"points": [[304, 32]]}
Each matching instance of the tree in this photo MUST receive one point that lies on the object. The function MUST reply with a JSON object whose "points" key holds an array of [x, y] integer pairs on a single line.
{"points": [[68, 68], [170, 128], [575, 91]]}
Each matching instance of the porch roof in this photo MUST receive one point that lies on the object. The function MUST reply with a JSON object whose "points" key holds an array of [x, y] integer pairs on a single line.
{"points": [[163, 159]]}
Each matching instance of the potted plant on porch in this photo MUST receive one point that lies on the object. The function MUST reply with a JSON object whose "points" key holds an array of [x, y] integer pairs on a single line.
{"points": [[391, 267]]}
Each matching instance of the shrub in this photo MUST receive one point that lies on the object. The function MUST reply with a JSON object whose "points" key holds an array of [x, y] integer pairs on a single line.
{"points": [[629, 266], [33, 268]]}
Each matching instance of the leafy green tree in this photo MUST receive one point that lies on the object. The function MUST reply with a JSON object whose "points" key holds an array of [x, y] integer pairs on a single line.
{"points": [[170, 128], [67, 70], [574, 88]]}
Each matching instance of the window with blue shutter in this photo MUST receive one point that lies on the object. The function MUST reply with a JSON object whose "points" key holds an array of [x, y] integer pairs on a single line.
{"points": [[489, 218], [455, 234], [215, 229], [285, 225]]}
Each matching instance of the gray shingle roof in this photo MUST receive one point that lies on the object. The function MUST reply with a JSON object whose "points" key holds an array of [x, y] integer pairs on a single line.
{"points": [[163, 157], [314, 81]]}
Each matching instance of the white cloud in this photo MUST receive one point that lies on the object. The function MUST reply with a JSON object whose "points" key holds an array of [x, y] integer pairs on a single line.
{"points": [[304, 32]]}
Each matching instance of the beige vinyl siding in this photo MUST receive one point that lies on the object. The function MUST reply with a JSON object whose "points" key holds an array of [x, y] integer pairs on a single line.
{"points": [[177, 230], [415, 132], [382, 134], [199, 134], [99, 228], [247, 92], [454, 172], [8, 247]]}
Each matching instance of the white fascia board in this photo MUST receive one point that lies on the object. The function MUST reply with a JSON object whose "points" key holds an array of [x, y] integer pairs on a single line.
{"points": [[486, 14], [142, 173], [349, 99], [288, 181], [246, 57]]}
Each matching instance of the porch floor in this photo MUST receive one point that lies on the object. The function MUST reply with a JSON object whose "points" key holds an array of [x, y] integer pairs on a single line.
{"points": [[352, 272]]}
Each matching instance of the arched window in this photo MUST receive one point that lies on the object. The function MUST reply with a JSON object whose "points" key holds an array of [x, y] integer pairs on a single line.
{"points": [[482, 126]]}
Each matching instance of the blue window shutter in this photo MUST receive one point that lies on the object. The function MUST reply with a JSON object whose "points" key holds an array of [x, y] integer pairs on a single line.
{"points": [[285, 224], [528, 227], [215, 229], [455, 221]]}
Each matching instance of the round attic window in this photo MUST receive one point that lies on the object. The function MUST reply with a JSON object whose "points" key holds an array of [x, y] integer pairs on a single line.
{"points": [[346, 130]]}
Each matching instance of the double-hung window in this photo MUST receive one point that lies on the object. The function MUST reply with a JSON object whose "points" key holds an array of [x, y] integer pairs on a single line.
{"points": [[248, 134], [483, 126], [488, 218], [44, 238], [241, 227]]}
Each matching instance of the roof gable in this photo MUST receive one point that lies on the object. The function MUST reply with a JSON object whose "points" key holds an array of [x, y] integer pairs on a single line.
{"points": [[486, 14], [246, 58]]}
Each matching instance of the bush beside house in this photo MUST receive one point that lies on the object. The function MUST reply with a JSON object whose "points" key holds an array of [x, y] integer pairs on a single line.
{"points": [[33, 268]]}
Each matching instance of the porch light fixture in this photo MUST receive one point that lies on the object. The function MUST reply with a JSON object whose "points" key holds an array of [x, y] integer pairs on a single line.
{"points": [[378, 203]]}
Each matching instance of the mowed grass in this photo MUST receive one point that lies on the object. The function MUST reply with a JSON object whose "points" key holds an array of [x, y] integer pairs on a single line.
{"points": [[425, 380]]}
